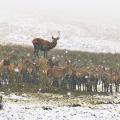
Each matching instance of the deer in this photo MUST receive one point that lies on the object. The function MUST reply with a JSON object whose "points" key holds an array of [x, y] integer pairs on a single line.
{"points": [[56, 75], [44, 45]]}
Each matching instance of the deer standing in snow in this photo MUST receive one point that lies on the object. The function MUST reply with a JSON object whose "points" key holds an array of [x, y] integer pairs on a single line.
{"points": [[44, 45]]}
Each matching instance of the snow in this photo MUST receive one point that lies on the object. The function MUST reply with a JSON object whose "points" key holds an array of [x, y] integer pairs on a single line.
{"points": [[13, 111], [27, 108]]}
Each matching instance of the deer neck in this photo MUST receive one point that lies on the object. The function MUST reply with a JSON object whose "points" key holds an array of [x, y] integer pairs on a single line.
{"points": [[52, 44]]}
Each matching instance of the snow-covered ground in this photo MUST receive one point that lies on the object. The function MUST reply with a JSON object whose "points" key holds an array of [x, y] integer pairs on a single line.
{"points": [[14, 111], [26, 107]]}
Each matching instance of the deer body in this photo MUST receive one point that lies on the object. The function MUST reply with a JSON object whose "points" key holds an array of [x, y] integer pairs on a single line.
{"points": [[43, 45]]}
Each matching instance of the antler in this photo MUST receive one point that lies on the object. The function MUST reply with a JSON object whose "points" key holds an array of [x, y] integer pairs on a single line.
{"points": [[51, 34], [57, 32]]}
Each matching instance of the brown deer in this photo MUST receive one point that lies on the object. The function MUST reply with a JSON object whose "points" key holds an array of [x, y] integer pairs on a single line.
{"points": [[57, 73], [44, 45]]}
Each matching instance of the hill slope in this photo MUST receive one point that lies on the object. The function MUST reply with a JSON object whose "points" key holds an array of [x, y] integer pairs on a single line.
{"points": [[73, 36]]}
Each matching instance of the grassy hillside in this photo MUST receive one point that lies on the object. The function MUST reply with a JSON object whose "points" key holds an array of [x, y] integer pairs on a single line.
{"points": [[78, 58]]}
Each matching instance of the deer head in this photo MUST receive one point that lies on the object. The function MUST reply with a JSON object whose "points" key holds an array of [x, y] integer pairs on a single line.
{"points": [[56, 38]]}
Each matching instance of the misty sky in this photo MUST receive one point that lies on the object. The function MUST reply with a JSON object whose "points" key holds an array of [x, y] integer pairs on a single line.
{"points": [[85, 10]]}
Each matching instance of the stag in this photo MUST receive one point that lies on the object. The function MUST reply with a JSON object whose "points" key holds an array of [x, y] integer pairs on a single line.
{"points": [[44, 45]]}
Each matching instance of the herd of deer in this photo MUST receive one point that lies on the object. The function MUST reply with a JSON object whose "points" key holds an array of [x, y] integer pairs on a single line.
{"points": [[108, 79], [67, 77]]}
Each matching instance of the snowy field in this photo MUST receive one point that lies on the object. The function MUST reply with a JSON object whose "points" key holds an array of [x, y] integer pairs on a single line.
{"points": [[32, 112], [28, 108]]}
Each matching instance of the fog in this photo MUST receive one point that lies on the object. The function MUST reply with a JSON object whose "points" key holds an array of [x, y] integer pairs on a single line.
{"points": [[91, 13], [86, 10]]}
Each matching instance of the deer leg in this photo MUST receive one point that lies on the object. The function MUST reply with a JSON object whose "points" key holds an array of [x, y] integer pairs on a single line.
{"points": [[111, 88], [102, 86], [37, 51], [116, 88], [45, 54], [34, 52], [79, 86]]}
